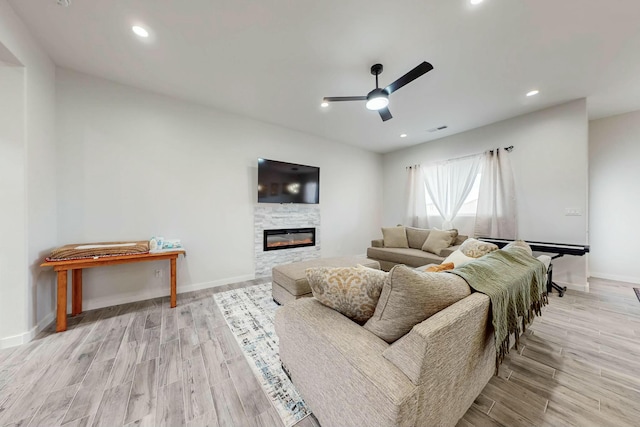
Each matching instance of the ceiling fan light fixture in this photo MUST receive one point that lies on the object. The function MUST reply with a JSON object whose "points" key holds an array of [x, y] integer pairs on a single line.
{"points": [[377, 100], [139, 31]]}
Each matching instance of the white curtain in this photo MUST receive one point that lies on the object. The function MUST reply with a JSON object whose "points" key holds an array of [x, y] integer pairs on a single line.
{"points": [[449, 184], [496, 215], [416, 213]]}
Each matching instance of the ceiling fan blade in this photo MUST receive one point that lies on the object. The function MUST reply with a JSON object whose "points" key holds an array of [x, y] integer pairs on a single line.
{"points": [[421, 69], [344, 98], [385, 114]]}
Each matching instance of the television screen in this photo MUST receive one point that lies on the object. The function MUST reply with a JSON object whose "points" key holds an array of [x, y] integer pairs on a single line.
{"points": [[280, 182]]}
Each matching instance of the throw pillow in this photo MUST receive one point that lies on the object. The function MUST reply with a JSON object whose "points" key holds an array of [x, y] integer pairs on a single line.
{"points": [[352, 291], [409, 297], [454, 232], [458, 258], [476, 248], [519, 244], [460, 239], [417, 236], [442, 267], [437, 240], [395, 237]]}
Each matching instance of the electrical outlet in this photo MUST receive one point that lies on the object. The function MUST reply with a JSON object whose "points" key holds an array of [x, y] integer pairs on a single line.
{"points": [[158, 273], [572, 212]]}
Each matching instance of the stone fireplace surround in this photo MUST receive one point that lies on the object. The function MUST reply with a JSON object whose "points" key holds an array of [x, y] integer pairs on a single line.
{"points": [[283, 216]]}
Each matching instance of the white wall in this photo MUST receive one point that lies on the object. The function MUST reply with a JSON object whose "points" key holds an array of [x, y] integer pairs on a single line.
{"points": [[133, 164], [31, 305], [614, 150], [13, 224], [550, 170]]}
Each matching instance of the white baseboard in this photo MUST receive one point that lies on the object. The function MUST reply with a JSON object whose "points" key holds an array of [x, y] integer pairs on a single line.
{"points": [[25, 337], [616, 278], [95, 303]]}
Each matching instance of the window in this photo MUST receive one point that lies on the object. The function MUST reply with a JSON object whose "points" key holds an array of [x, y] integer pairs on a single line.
{"points": [[469, 207]]}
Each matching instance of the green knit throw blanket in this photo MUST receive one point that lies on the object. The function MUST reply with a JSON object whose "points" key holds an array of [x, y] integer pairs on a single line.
{"points": [[515, 283]]}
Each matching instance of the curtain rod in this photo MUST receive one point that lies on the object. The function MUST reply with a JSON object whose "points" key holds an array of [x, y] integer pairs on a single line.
{"points": [[507, 149]]}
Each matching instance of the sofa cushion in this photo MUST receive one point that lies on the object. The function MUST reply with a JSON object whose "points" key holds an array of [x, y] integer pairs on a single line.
{"points": [[437, 240], [519, 244], [352, 291], [458, 258], [395, 237], [475, 248], [410, 257], [417, 236], [409, 297]]}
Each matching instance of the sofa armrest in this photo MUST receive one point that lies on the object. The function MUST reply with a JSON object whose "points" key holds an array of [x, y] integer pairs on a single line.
{"points": [[378, 243], [450, 356], [448, 251], [338, 367], [451, 340]]}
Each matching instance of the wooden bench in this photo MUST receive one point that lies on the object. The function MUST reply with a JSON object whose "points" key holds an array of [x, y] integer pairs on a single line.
{"points": [[77, 265]]}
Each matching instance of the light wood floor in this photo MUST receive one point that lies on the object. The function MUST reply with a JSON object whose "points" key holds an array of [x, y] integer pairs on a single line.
{"points": [[146, 364], [578, 365]]}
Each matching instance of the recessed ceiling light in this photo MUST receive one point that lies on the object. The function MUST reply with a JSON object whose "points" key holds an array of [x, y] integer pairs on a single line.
{"points": [[403, 135], [324, 104], [533, 93], [140, 31], [474, 2]]}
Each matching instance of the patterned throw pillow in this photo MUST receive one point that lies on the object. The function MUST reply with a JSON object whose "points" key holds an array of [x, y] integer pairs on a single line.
{"points": [[352, 291], [475, 248]]}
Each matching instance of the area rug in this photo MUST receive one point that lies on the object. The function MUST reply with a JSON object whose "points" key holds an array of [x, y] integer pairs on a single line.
{"points": [[249, 312], [637, 291]]}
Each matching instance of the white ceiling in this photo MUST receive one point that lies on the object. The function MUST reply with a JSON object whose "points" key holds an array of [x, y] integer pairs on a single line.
{"points": [[275, 60]]}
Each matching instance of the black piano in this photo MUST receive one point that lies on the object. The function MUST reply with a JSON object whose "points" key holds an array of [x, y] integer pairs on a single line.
{"points": [[559, 249]]}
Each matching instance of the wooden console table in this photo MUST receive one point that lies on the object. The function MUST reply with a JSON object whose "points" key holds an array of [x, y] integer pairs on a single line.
{"points": [[76, 266]]}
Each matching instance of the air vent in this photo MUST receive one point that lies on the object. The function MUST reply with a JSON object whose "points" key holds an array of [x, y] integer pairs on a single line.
{"points": [[437, 129]]}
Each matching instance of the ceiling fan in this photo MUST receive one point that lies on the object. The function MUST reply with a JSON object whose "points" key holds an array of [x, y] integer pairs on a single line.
{"points": [[378, 99]]}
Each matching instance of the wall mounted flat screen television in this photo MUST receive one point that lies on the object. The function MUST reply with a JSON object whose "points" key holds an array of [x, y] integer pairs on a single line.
{"points": [[281, 182]]}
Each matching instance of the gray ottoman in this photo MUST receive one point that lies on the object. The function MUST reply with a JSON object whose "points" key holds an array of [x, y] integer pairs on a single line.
{"points": [[290, 281]]}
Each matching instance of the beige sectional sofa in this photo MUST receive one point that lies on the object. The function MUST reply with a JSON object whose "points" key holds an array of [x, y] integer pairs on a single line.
{"points": [[413, 256], [350, 377], [421, 359]]}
